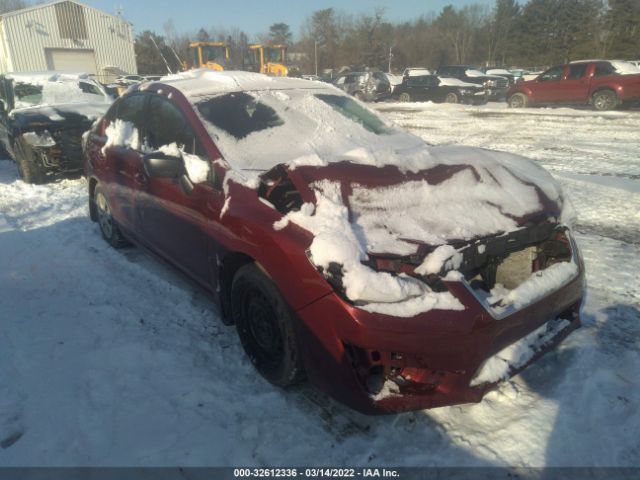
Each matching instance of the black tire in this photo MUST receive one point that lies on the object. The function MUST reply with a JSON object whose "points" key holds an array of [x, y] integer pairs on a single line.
{"points": [[28, 164], [404, 97], [604, 100], [518, 100], [265, 327], [108, 226], [451, 98]]}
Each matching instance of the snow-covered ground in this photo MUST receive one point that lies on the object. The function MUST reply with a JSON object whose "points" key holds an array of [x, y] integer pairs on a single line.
{"points": [[112, 358]]}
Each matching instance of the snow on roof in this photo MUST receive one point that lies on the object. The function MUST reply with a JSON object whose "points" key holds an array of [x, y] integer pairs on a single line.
{"points": [[202, 82], [50, 76]]}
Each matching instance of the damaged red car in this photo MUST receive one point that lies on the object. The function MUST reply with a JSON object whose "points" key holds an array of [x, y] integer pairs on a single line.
{"points": [[392, 274]]}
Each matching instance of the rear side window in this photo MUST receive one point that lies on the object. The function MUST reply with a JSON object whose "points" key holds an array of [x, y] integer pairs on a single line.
{"points": [[577, 71], [424, 81], [604, 69], [239, 114]]}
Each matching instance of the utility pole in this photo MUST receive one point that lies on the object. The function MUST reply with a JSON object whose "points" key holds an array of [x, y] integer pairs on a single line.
{"points": [[390, 57], [315, 54]]}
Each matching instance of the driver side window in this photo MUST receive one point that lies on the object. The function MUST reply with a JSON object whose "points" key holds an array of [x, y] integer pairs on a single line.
{"points": [[168, 129], [554, 73]]}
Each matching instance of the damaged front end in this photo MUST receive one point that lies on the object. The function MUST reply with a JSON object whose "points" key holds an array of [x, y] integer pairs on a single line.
{"points": [[504, 276]]}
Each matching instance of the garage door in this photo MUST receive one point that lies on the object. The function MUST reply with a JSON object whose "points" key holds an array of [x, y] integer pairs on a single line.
{"points": [[68, 60]]}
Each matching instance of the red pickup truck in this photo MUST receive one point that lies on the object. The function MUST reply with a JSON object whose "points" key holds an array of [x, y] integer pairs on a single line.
{"points": [[604, 84]]}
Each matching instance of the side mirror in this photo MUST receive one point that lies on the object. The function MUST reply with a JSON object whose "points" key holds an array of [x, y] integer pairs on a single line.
{"points": [[159, 164]]}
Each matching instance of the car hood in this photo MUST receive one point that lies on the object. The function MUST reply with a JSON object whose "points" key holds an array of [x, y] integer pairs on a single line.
{"points": [[463, 194], [57, 116]]}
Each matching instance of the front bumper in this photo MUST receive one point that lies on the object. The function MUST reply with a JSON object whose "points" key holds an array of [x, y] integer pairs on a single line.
{"points": [[495, 93], [348, 350]]}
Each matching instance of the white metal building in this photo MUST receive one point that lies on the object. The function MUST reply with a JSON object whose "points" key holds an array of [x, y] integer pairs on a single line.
{"points": [[68, 36]]}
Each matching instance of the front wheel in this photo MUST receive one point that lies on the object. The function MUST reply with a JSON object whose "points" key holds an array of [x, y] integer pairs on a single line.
{"points": [[404, 97], [604, 100], [265, 327], [451, 98], [518, 100], [28, 163]]}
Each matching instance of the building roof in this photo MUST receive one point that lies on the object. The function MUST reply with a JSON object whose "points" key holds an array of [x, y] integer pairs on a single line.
{"points": [[50, 4]]}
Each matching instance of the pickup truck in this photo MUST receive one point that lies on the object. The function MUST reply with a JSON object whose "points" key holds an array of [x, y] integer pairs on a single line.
{"points": [[603, 84]]}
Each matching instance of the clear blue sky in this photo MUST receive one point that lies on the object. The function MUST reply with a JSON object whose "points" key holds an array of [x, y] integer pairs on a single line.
{"points": [[255, 16]]}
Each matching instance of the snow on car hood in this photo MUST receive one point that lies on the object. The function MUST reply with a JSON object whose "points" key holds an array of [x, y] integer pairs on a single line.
{"points": [[354, 211], [462, 194], [456, 82], [58, 114]]}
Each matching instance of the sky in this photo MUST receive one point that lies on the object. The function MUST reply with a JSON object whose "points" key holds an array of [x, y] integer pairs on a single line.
{"points": [[255, 16]]}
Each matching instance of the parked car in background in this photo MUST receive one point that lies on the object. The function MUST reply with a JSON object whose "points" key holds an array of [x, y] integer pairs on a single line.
{"points": [[501, 72], [393, 274], [603, 84], [495, 85], [43, 117], [394, 80], [365, 86], [431, 88]]}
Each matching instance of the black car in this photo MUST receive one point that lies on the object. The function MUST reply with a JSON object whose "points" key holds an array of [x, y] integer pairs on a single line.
{"points": [[431, 88], [495, 85], [365, 86], [42, 119]]}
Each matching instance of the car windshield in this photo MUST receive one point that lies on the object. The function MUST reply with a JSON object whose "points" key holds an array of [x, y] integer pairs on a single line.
{"points": [[258, 130], [29, 92]]}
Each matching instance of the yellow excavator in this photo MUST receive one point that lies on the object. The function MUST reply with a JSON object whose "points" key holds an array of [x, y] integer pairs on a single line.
{"points": [[211, 55], [268, 59]]}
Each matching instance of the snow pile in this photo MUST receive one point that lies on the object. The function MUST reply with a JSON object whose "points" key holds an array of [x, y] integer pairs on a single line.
{"points": [[455, 82], [537, 286], [474, 73], [625, 68], [121, 134], [335, 241], [474, 202], [443, 256], [518, 354], [43, 139]]}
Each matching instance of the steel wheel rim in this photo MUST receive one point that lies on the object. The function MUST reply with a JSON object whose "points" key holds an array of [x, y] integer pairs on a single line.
{"points": [[263, 325], [516, 101], [104, 215], [404, 97], [603, 102], [451, 98]]}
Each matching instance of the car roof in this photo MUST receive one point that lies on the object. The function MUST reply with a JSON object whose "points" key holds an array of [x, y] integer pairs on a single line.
{"points": [[202, 82], [49, 75]]}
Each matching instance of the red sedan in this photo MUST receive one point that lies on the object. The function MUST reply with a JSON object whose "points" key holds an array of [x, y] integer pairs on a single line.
{"points": [[392, 274]]}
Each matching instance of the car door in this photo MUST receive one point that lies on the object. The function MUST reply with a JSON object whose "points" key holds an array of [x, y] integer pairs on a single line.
{"points": [[118, 158], [174, 220], [547, 87], [574, 87]]}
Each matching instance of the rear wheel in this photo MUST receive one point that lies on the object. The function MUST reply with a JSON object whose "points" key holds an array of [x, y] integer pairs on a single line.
{"points": [[451, 98], [28, 163], [404, 97], [265, 327], [518, 100], [108, 226], [604, 100]]}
